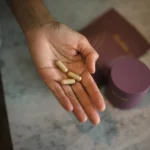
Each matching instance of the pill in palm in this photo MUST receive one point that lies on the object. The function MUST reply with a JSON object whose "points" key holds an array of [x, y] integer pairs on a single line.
{"points": [[61, 66], [68, 81], [74, 76]]}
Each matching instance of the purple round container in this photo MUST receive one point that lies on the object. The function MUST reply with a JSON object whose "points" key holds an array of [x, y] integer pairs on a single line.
{"points": [[128, 83]]}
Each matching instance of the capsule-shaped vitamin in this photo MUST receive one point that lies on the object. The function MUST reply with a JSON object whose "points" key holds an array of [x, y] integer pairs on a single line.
{"points": [[74, 76], [68, 81], [61, 66]]}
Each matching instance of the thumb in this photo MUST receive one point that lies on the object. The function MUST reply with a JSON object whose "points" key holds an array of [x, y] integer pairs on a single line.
{"points": [[89, 53]]}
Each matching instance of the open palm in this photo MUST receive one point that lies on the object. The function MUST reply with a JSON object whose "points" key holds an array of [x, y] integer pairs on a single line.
{"points": [[58, 42]]}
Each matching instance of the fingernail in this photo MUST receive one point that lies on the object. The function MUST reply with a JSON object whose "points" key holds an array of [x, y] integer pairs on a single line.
{"points": [[103, 108], [83, 120], [97, 122], [93, 70], [69, 108]]}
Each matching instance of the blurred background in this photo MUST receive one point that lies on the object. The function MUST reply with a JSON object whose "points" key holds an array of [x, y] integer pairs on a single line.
{"points": [[37, 121]]}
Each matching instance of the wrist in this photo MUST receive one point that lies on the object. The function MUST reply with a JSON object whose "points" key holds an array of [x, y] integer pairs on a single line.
{"points": [[40, 32], [31, 14]]}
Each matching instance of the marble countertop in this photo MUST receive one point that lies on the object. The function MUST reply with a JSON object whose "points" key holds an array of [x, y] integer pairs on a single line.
{"points": [[36, 119]]}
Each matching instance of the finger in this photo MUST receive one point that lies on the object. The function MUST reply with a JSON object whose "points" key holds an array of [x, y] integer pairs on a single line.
{"points": [[78, 110], [60, 95], [93, 91], [89, 53], [85, 103]]}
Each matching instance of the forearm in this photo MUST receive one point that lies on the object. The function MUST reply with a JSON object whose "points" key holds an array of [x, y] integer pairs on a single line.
{"points": [[31, 14]]}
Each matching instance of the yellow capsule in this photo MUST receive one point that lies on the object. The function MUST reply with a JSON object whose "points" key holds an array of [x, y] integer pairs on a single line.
{"points": [[68, 81], [74, 76], [61, 66]]}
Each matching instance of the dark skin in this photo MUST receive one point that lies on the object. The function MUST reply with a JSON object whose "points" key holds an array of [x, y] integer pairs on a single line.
{"points": [[49, 41]]}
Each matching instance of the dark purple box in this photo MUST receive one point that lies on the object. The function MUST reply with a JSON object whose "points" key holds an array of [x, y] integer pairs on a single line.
{"points": [[113, 36]]}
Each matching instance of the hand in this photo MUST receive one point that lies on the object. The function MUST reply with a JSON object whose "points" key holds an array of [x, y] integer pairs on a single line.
{"points": [[56, 41]]}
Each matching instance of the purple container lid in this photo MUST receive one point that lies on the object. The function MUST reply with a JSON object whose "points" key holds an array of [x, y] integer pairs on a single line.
{"points": [[130, 75]]}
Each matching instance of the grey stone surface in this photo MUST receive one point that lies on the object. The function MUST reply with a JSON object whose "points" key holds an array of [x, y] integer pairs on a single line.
{"points": [[37, 120]]}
